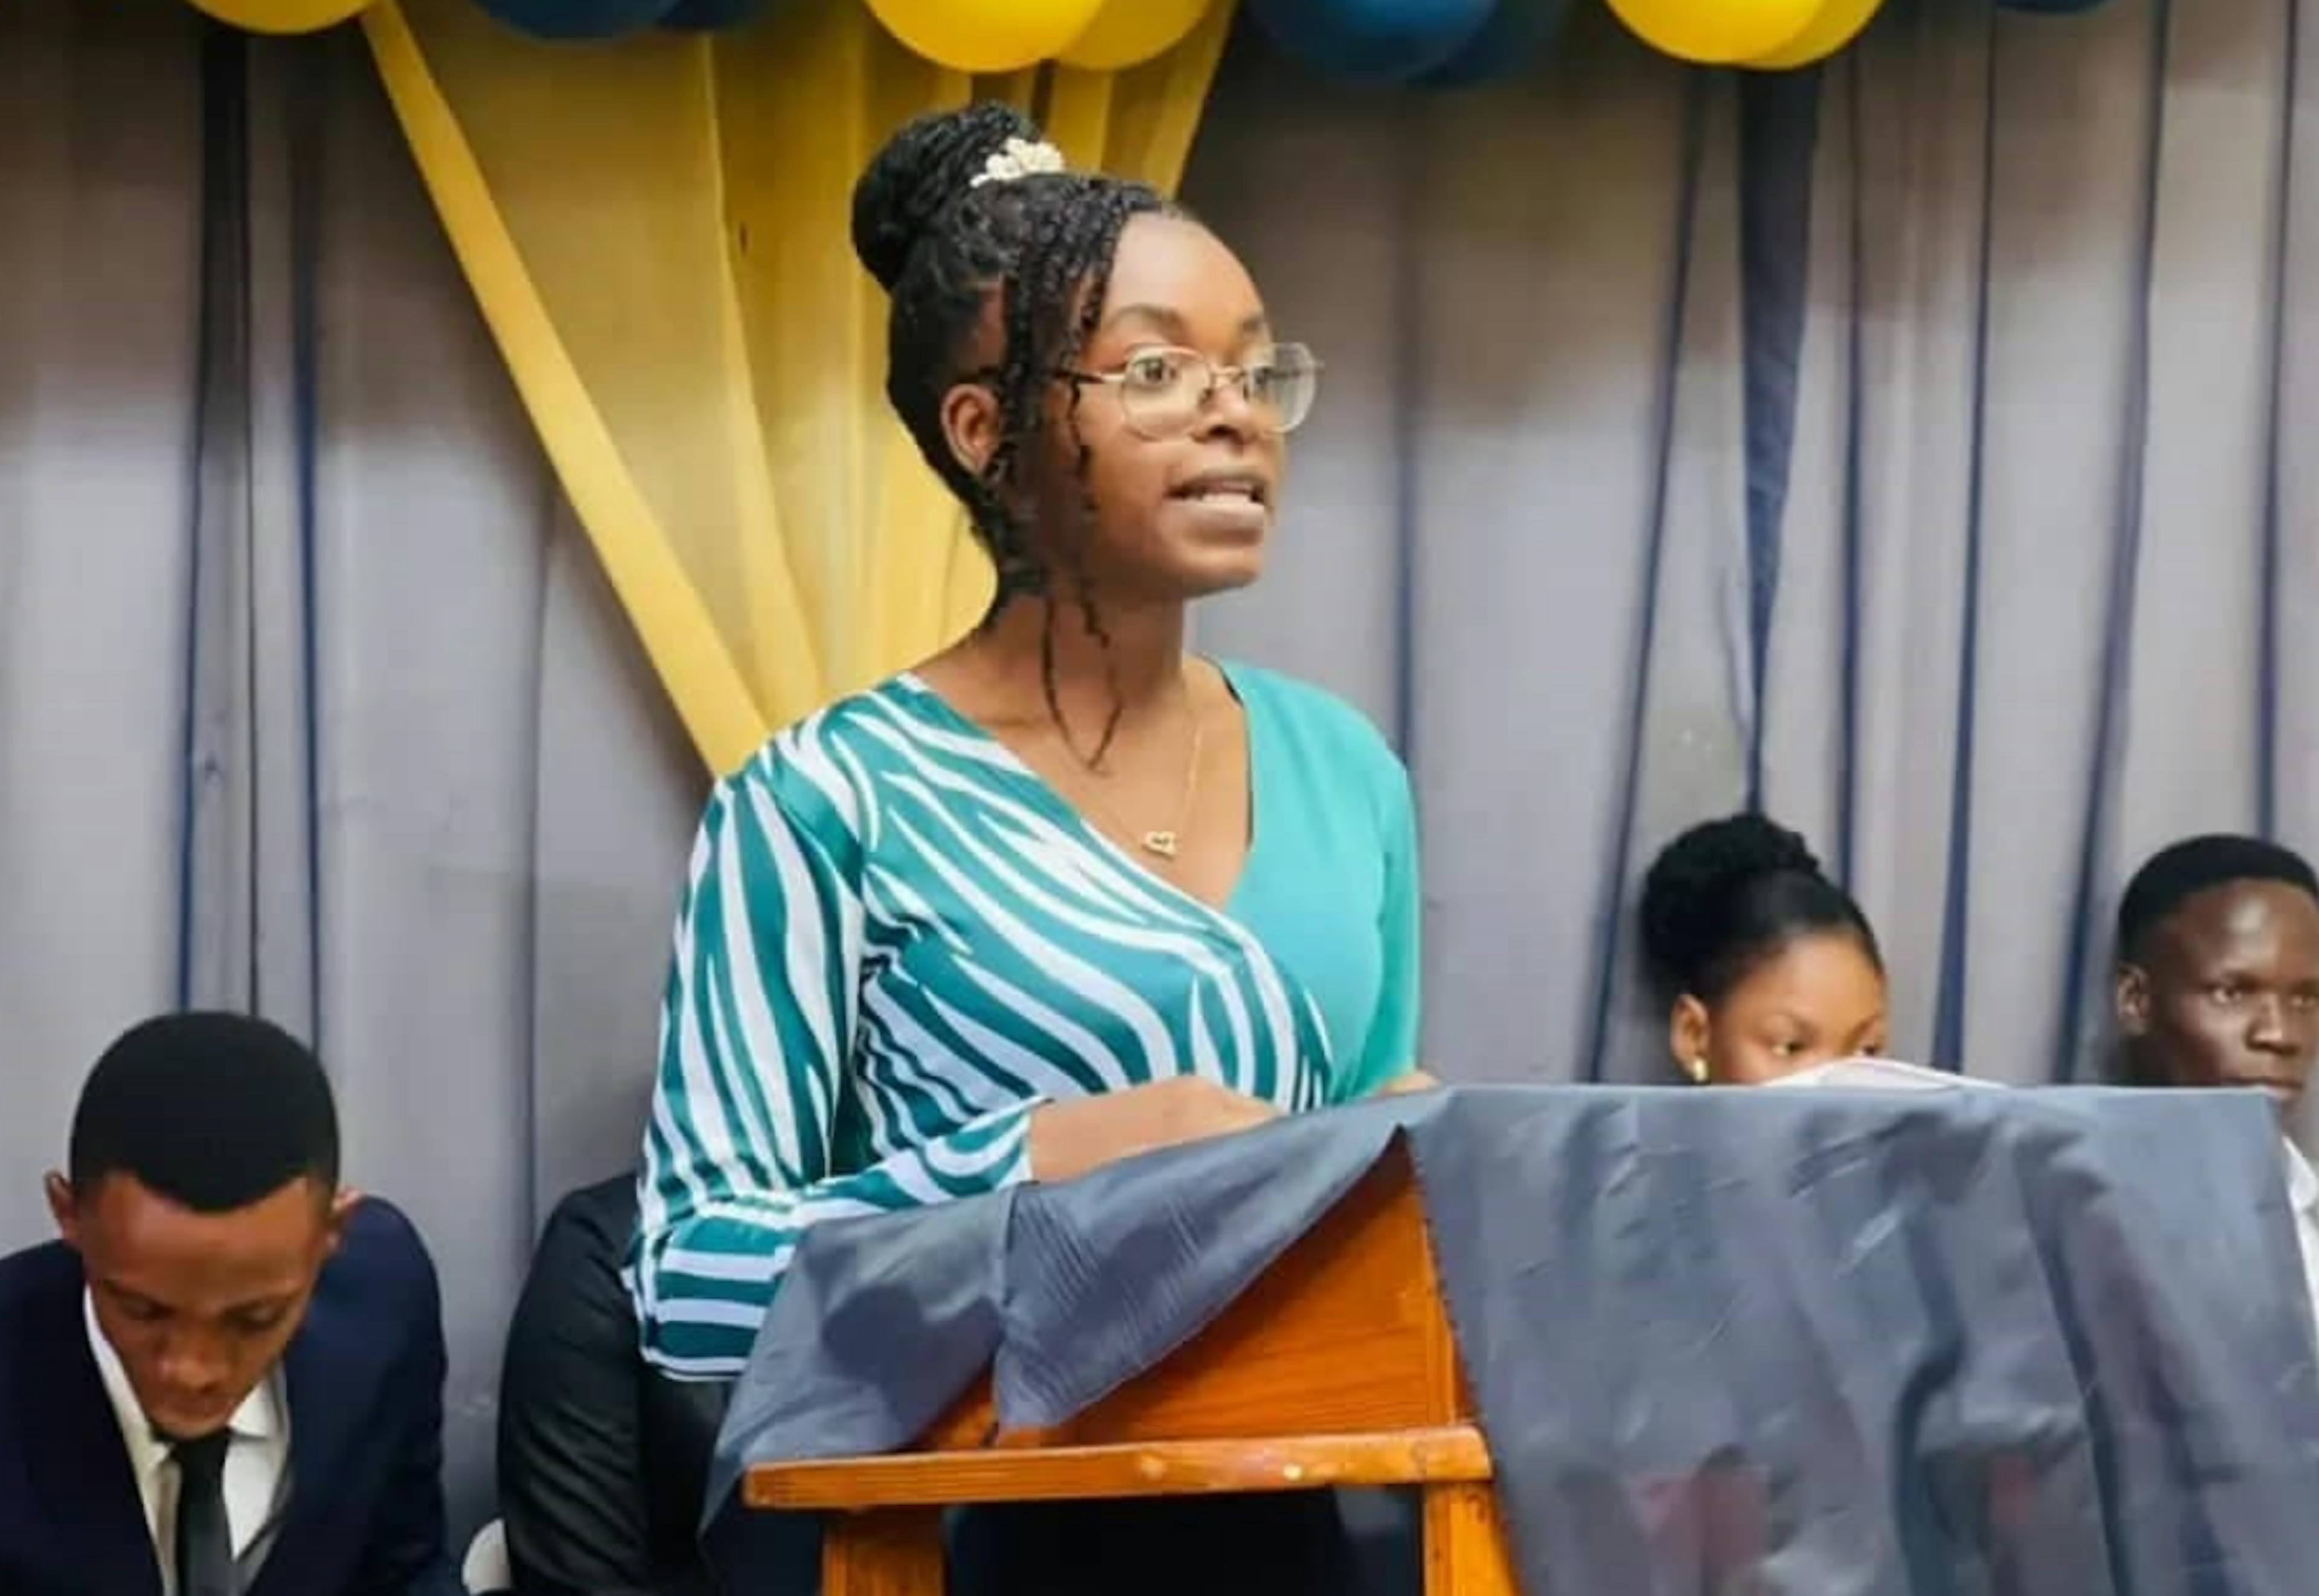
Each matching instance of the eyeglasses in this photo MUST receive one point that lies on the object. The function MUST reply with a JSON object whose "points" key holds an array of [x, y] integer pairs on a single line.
{"points": [[1163, 391]]}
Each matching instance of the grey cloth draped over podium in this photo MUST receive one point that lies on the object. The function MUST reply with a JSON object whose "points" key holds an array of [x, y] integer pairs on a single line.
{"points": [[1819, 1343]]}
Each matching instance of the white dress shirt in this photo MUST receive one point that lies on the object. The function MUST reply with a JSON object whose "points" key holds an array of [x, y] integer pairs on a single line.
{"points": [[2303, 1198], [257, 1463]]}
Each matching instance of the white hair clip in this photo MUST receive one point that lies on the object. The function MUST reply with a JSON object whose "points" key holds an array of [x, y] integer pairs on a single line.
{"points": [[1018, 158]]}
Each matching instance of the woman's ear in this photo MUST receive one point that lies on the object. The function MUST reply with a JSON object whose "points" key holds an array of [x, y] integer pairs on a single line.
{"points": [[972, 424], [1687, 1035], [2132, 998]]}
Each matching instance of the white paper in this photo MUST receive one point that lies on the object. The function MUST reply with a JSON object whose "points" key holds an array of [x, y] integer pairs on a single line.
{"points": [[1878, 1075]]}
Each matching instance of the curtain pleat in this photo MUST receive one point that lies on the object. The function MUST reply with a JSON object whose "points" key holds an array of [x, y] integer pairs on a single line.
{"points": [[101, 228], [645, 211]]}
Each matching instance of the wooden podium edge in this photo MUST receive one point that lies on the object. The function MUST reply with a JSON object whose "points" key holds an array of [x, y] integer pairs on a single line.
{"points": [[1337, 1366]]}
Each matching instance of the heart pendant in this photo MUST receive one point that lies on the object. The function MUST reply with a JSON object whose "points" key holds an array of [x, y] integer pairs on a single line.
{"points": [[1162, 842]]}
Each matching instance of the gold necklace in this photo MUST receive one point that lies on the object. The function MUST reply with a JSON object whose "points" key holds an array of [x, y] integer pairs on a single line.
{"points": [[1167, 841], [1167, 844]]}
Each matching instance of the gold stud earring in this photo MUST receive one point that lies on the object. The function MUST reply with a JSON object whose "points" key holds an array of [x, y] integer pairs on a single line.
{"points": [[1697, 1069]]}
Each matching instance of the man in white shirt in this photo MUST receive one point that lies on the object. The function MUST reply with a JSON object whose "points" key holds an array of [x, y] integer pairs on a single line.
{"points": [[2218, 985], [226, 1378], [253, 1475]]}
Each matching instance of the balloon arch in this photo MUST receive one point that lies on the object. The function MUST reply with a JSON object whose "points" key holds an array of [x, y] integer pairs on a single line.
{"points": [[1437, 42]]}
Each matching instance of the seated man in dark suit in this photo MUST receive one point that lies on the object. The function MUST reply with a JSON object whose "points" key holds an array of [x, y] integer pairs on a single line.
{"points": [[227, 1379]]}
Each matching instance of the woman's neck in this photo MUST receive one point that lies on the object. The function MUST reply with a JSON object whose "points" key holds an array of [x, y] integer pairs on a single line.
{"points": [[1135, 668]]}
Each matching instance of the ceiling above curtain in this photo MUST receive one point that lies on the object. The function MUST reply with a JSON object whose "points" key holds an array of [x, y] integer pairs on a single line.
{"points": [[1428, 43]]}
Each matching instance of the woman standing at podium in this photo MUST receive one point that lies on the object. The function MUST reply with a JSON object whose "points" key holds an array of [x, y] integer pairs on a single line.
{"points": [[1767, 967], [1065, 892]]}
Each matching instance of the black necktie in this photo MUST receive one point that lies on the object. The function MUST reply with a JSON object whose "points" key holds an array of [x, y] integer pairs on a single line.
{"points": [[204, 1540]]}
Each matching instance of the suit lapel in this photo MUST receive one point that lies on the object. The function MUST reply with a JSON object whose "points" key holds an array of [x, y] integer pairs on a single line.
{"points": [[81, 1469], [328, 1379]]}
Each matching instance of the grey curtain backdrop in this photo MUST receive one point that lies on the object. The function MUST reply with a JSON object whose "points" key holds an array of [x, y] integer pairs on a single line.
{"points": [[310, 698], [1910, 448]]}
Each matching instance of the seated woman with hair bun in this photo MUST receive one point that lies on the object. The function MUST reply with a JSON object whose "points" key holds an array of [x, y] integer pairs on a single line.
{"points": [[1768, 968]]}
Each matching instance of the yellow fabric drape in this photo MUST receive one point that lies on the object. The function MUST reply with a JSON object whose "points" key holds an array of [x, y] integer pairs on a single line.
{"points": [[657, 234]]}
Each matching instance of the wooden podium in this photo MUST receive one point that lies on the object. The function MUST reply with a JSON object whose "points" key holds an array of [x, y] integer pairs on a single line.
{"points": [[1336, 1367]]}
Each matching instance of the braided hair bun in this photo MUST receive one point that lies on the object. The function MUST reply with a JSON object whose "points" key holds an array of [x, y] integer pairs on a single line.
{"points": [[1726, 895], [924, 172], [1039, 243], [1036, 244]]}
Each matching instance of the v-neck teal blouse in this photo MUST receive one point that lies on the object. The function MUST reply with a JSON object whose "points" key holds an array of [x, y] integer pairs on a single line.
{"points": [[898, 941]]}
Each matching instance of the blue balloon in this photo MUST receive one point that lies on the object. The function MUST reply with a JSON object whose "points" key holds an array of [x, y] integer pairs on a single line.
{"points": [[1373, 41], [1516, 34], [708, 15], [574, 19]]}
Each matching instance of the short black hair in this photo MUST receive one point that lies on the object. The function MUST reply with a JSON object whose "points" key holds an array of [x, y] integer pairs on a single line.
{"points": [[2176, 874], [213, 1110], [1727, 896]]}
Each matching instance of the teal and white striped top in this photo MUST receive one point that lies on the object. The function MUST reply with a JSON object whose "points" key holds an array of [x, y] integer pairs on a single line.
{"points": [[898, 941]]}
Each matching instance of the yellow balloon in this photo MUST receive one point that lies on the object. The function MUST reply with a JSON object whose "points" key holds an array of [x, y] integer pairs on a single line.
{"points": [[282, 16], [1130, 33], [986, 35], [1838, 23], [1717, 33]]}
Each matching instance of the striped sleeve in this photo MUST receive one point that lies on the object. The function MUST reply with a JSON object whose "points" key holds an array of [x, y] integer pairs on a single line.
{"points": [[757, 1026]]}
